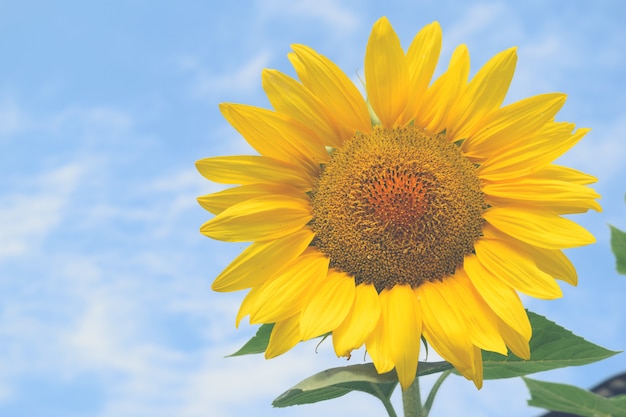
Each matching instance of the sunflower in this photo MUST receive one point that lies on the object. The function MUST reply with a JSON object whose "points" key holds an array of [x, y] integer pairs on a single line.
{"points": [[420, 212]]}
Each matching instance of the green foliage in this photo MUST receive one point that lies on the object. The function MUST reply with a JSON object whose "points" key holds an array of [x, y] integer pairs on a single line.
{"points": [[258, 343], [574, 400], [551, 347], [335, 382], [618, 245]]}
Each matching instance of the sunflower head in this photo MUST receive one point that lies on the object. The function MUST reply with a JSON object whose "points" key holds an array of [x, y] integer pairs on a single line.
{"points": [[427, 222]]}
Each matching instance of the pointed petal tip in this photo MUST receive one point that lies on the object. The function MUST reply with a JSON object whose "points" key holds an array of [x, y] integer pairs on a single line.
{"points": [[238, 320], [215, 286], [382, 26], [382, 20], [405, 377], [299, 48], [561, 97], [582, 131], [434, 27], [508, 56]]}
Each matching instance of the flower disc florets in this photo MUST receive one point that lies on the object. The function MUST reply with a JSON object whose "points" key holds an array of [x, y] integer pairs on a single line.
{"points": [[397, 206]]}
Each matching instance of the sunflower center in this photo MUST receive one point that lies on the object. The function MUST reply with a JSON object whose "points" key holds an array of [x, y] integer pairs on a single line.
{"points": [[397, 206]]}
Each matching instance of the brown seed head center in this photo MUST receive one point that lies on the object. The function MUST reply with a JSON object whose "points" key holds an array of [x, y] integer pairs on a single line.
{"points": [[396, 196], [397, 207]]}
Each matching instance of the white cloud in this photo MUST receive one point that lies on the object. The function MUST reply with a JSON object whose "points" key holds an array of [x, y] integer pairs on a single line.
{"points": [[90, 121], [601, 152], [207, 84], [82, 303], [29, 215], [127, 303], [186, 184], [104, 119], [329, 12], [476, 19]]}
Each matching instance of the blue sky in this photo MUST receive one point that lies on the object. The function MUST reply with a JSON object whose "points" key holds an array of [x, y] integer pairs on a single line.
{"points": [[105, 301]]}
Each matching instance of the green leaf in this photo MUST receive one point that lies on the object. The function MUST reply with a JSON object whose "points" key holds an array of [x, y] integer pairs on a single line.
{"points": [[618, 245], [258, 343], [335, 382], [574, 400], [551, 347]]}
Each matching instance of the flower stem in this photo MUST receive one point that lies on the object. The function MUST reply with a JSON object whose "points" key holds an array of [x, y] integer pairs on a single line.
{"points": [[412, 401]]}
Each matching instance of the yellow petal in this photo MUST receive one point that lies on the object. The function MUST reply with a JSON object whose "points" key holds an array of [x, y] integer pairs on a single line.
{"points": [[246, 305], [293, 99], [288, 292], [360, 321], [548, 194], [481, 320], [484, 94], [261, 218], [275, 135], [403, 329], [445, 91], [505, 127], [551, 261], [513, 266], [378, 343], [532, 154], [561, 173], [300, 69], [261, 260], [445, 329], [378, 348], [538, 227], [329, 306], [515, 341], [386, 74], [221, 200], [284, 336], [421, 58], [252, 170], [333, 88], [554, 263], [500, 297], [477, 369]]}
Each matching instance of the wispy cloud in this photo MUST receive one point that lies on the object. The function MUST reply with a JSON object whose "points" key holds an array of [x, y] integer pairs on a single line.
{"points": [[208, 83], [109, 278], [31, 212], [602, 153], [478, 18], [328, 12]]}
